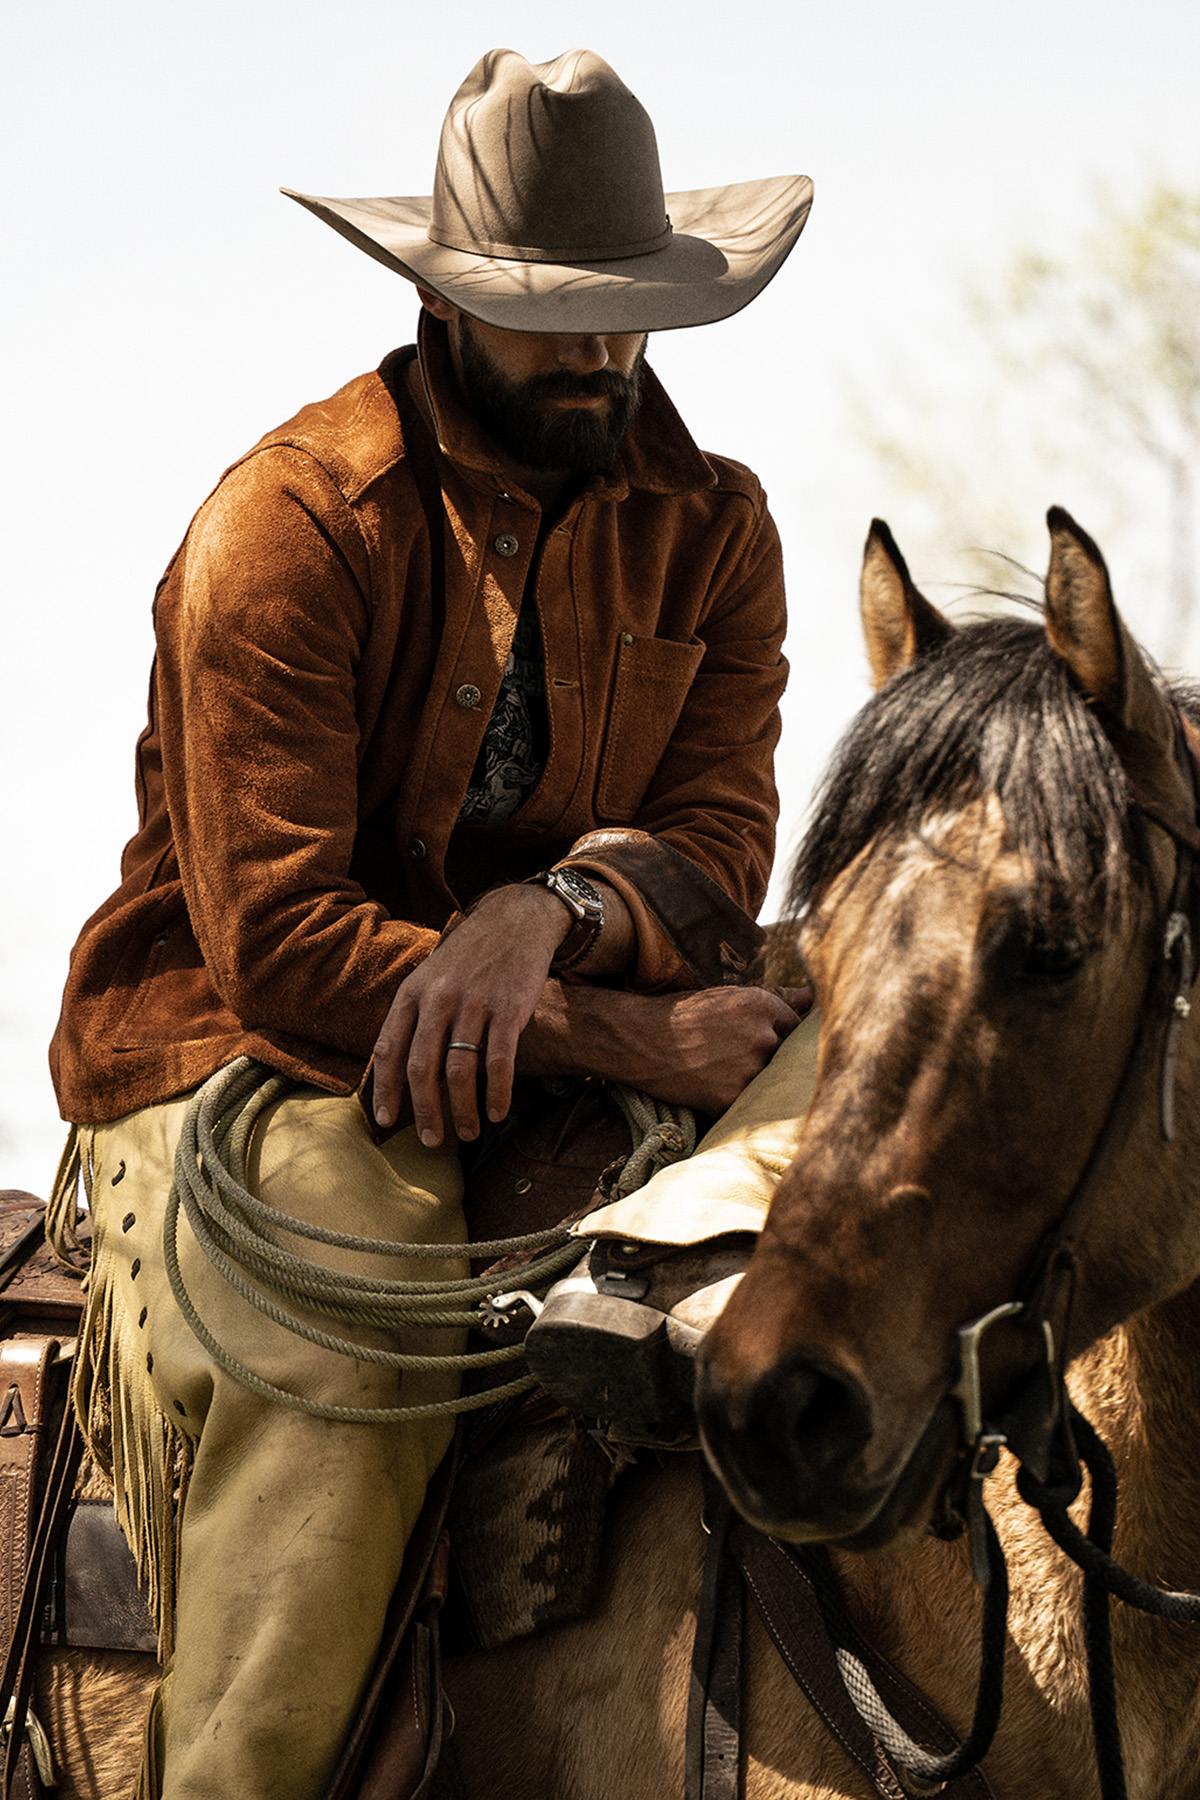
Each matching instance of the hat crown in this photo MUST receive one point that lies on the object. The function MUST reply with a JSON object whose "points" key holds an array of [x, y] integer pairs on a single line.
{"points": [[548, 162]]}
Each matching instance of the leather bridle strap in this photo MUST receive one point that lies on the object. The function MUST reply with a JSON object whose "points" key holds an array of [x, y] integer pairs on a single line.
{"points": [[712, 1767], [1037, 1426], [878, 1717], [885, 1723]]}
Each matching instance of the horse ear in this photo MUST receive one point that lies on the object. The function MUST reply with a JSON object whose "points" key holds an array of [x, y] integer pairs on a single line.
{"points": [[1086, 630], [899, 624]]}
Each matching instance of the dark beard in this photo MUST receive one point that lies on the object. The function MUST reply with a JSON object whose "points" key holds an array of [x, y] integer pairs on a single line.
{"points": [[521, 419]]}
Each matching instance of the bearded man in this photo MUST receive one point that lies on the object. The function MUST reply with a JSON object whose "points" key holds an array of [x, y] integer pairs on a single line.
{"points": [[483, 641]]}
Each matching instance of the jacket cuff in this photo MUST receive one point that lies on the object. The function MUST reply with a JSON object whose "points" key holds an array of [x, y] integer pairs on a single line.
{"points": [[690, 934]]}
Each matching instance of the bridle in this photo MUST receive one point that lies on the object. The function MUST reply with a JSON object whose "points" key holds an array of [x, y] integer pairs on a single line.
{"points": [[1041, 1427]]}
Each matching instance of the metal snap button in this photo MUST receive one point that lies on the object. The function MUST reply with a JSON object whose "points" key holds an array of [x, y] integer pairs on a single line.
{"points": [[468, 694], [627, 637], [416, 849], [507, 544]]}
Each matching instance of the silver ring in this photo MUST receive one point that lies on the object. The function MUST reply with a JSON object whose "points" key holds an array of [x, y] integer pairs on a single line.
{"points": [[457, 1044]]}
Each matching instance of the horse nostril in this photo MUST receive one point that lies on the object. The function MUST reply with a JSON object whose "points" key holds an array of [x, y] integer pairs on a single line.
{"points": [[784, 1439], [819, 1417]]}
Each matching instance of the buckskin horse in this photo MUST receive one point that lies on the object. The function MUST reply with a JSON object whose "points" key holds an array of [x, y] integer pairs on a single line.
{"points": [[999, 858], [1004, 1126]]}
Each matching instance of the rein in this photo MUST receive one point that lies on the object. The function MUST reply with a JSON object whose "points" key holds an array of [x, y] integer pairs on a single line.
{"points": [[1051, 1440]]}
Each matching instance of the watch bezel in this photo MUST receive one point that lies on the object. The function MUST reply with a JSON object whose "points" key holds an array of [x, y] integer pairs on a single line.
{"points": [[577, 892]]}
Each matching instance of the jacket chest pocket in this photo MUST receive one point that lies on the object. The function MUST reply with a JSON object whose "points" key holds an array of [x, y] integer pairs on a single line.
{"points": [[652, 683]]}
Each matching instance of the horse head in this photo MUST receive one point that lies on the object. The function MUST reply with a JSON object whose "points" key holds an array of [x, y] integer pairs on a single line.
{"points": [[980, 902]]}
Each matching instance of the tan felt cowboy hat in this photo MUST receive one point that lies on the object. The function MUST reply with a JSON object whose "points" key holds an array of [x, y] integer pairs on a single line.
{"points": [[548, 211]]}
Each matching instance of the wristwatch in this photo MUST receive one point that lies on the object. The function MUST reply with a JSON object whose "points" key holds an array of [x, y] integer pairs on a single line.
{"points": [[585, 903]]}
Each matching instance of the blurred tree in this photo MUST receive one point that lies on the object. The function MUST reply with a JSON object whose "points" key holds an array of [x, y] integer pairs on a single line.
{"points": [[1090, 381]]}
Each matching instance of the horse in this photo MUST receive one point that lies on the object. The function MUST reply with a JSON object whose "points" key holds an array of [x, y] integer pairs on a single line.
{"points": [[979, 904]]}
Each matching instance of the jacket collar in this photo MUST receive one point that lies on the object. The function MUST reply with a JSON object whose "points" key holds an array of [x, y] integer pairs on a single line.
{"points": [[659, 453]]}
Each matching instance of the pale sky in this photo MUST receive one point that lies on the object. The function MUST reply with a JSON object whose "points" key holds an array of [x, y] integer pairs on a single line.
{"points": [[163, 306]]}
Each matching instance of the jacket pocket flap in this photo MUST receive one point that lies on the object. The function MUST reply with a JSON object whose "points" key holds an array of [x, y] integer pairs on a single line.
{"points": [[652, 683]]}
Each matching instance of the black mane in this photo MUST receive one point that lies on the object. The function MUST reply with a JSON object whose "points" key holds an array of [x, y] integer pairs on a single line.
{"points": [[992, 710]]}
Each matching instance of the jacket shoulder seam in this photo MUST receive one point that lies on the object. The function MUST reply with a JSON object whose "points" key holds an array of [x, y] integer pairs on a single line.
{"points": [[306, 451], [735, 478]]}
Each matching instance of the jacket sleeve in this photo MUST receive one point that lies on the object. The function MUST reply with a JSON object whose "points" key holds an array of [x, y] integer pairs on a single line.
{"points": [[260, 752], [694, 863]]}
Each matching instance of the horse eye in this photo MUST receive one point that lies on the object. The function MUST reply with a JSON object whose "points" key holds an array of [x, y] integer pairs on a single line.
{"points": [[1046, 960]]}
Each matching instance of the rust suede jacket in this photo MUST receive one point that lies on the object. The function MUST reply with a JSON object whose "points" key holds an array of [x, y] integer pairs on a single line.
{"points": [[313, 727]]}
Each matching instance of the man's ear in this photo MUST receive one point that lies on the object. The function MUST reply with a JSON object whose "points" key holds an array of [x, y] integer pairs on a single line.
{"points": [[434, 303], [899, 624]]}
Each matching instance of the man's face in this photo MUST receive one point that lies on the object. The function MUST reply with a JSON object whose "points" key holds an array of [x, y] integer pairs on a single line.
{"points": [[560, 403]]}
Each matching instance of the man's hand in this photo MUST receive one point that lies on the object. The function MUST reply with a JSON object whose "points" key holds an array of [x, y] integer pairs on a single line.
{"points": [[702, 1049], [478, 987], [695, 1049]]}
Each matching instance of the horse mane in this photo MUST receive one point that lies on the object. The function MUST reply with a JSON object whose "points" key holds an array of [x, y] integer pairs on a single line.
{"points": [[992, 710]]}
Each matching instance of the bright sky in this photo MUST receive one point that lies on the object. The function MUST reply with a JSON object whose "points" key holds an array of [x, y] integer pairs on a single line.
{"points": [[162, 306]]}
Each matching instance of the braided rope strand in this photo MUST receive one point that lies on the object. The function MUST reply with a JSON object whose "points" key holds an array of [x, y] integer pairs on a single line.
{"points": [[240, 1235]]}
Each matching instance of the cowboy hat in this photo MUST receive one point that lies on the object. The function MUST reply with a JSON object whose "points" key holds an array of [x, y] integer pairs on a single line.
{"points": [[548, 211]]}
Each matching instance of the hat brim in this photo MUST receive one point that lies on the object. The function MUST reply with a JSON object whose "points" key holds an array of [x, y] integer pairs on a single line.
{"points": [[726, 245]]}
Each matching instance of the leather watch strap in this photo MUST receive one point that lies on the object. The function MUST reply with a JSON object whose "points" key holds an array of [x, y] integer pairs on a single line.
{"points": [[586, 906]]}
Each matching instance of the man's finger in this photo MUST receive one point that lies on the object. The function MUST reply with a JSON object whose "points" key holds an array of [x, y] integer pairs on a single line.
{"points": [[799, 998], [424, 1074], [501, 1059], [391, 1057], [463, 1068]]}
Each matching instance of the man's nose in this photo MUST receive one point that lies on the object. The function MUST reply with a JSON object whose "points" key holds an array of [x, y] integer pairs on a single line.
{"points": [[583, 355]]}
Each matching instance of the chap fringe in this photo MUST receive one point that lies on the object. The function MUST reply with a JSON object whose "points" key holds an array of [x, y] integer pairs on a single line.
{"points": [[145, 1456]]}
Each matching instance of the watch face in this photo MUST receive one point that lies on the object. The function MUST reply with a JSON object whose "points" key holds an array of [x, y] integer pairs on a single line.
{"points": [[568, 881]]}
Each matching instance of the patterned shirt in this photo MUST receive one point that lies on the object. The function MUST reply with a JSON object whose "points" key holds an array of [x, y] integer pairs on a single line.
{"points": [[517, 740]]}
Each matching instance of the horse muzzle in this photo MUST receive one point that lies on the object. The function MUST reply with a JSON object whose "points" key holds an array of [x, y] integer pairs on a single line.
{"points": [[787, 1443], [792, 1445]]}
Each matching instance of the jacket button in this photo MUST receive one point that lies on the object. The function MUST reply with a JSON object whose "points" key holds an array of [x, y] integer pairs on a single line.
{"points": [[507, 544], [416, 848], [468, 694]]}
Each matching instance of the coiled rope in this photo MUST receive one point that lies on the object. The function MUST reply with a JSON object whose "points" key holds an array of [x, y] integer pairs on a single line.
{"points": [[240, 1236]]}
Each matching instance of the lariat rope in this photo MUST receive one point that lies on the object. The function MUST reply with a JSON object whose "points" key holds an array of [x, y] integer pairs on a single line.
{"points": [[240, 1236]]}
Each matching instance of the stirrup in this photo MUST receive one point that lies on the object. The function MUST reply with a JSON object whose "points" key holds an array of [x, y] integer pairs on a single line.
{"points": [[617, 1338]]}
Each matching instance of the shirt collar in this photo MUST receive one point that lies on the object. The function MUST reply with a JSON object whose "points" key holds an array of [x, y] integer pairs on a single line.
{"points": [[659, 453]]}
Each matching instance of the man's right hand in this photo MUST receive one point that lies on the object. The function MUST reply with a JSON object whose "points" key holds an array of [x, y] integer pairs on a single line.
{"points": [[695, 1049], [454, 1025]]}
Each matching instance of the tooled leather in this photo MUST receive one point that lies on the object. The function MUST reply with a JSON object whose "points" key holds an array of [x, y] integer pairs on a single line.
{"points": [[25, 1364]]}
